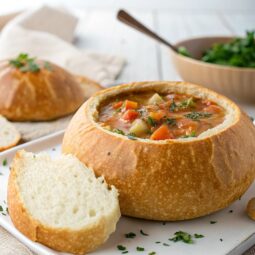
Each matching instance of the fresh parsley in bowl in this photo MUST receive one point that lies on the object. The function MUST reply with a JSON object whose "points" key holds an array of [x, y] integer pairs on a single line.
{"points": [[239, 52]]}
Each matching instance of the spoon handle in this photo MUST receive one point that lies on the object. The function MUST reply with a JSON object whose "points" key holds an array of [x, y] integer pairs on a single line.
{"points": [[127, 19]]}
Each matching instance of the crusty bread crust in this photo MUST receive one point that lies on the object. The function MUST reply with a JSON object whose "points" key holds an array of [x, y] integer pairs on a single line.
{"points": [[172, 179], [43, 95], [66, 240], [89, 86], [16, 137]]}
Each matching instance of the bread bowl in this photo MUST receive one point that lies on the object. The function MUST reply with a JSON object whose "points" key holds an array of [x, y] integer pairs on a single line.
{"points": [[36, 90], [60, 203], [172, 179]]}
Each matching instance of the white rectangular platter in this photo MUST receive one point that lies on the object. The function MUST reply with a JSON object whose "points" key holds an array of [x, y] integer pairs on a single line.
{"points": [[230, 226]]}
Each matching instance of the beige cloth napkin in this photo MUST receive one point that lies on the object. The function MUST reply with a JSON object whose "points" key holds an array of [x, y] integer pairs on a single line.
{"points": [[47, 33]]}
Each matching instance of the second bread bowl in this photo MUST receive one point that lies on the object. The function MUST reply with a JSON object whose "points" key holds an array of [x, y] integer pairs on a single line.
{"points": [[181, 175]]}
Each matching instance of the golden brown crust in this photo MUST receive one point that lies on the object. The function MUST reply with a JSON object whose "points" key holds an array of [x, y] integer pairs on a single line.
{"points": [[173, 179], [65, 240], [251, 208], [89, 86], [37, 96]]}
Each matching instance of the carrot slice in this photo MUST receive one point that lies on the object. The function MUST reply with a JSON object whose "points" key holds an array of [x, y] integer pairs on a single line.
{"points": [[117, 105], [130, 115], [162, 133], [130, 104]]}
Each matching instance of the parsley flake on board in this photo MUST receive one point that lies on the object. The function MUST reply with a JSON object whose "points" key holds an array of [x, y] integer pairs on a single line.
{"points": [[1, 209], [198, 236], [152, 253], [142, 233], [130, 235], [121, 247], [5, 162], [213, 222], [140, 248], [124, 252], [181, 236], [198, 115]]}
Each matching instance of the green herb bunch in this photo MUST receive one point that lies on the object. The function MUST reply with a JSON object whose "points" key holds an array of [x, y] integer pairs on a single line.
{"points": [[239, 52], [27, 64]]}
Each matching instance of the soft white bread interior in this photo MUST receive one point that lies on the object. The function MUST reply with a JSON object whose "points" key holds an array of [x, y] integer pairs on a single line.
{"points": [[60, 203], [9, 135]]}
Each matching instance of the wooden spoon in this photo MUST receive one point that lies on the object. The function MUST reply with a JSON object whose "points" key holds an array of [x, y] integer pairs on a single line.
{"points": [[127, 19]]}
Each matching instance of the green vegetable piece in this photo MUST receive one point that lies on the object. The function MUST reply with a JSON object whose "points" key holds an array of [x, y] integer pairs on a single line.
{"points": [[151, 121], [170, 121]]}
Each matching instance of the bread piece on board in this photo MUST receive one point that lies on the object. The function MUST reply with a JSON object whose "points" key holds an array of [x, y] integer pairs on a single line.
{"points": [[60, 203], [9, 135]]}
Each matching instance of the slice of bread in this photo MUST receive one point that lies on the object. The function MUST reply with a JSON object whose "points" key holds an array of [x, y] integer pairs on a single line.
{"points": [[60, 203], [9, 135]]}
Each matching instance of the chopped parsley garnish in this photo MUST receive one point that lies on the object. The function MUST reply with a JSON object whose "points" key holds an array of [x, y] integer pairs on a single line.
{"points": [[142, 233], [158, 242], [5, 162], [198, 236], [124, 252], [121, 247], [166, 244], [181, 236], [186, 103], [213, 222], [1, 209], [130, 235], [152, 253], [173, 106], [118, 131], [24, 63], [170, 121], [140, 248], [198, 115], [151, 121]]}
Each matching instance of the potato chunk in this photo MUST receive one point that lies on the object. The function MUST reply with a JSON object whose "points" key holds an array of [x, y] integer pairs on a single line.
{"points": [[155, 99], [138, 127]]}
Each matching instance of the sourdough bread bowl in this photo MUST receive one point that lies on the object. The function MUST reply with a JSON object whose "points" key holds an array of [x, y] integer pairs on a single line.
{"points": [[37, 90], [172, 179]]}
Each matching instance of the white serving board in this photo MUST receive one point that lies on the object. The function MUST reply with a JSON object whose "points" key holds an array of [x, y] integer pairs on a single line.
{"points": [[220, 238]]}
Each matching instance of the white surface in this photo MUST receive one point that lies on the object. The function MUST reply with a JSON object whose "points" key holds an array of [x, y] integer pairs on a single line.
{"points": [[233, 228], [175, 20]]}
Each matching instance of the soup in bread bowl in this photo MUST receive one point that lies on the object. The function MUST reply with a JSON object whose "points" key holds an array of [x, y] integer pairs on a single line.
{"points": [[174, 150]]}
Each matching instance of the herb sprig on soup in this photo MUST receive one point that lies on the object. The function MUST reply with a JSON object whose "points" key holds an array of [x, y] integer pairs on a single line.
{"points": [[155, 116]]}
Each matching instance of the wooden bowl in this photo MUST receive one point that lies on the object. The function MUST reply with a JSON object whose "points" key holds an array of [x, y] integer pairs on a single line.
{"points": [[235, 82]]}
